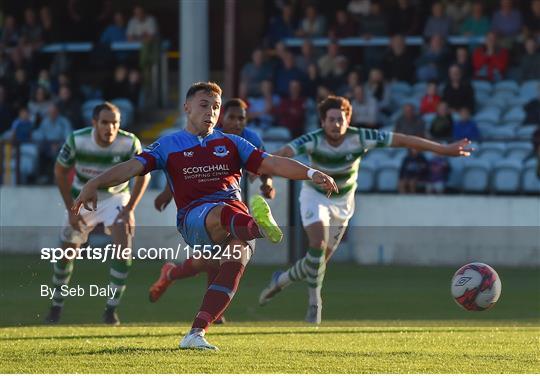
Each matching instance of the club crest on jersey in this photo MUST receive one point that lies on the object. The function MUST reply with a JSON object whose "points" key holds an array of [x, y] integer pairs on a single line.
{"points": [[188, 154], [221, 151]]}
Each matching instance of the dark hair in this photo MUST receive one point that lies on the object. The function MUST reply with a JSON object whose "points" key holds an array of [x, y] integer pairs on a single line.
{"points": [[104, 106], [334, 102], [234, 103], [207, 87]]}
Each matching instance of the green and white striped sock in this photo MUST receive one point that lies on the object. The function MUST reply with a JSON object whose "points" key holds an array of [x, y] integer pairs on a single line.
{"points": [[62, 271], [315, 268], [118, 273]]}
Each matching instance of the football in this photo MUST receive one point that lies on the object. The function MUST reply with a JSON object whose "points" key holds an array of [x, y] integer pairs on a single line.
{"points": [[476, 287]]}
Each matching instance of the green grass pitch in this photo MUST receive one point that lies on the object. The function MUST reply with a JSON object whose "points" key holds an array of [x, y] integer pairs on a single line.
{"points": [[382, 319]]}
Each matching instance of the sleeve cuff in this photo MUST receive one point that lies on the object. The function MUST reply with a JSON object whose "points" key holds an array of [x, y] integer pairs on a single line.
{"points": [[254, 161]]}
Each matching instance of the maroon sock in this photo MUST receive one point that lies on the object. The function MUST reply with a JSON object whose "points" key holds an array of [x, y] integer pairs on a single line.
{"points": [[211, 274], [183, 270], [219, 294], [240, 225]]}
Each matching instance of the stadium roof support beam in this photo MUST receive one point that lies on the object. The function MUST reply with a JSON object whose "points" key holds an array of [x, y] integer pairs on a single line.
{"points": [[194, 44]]}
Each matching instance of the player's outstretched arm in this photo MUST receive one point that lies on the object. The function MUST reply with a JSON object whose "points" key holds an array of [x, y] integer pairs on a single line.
{"points": [[294, 170], [460, 148], [118, 174]]}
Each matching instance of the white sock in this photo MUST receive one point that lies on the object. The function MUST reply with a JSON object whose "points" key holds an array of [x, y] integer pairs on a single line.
{"points": [[315, 295], [284, 280]]}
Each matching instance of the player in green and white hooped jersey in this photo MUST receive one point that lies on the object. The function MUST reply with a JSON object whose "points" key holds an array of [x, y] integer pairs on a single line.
{"points": [[90, 151], [336, 150]]}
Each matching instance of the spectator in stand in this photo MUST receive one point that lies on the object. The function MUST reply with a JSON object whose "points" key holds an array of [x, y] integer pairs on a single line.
{"points": [[313, 25], [21, 128], [134, 85], [507, 21], [458, 11], [261, 107], [364, 109], [430, 100], [312, 81], [532, 110], [282, 26], [433, 61], [490, 61], [457, 92], [141, 27], [51, 33], [466, 127], [20, 89], [463, 61], [414, 169], [40, 104], [254, 72], [477, 24], [531, 26], [398, 62], [287, 73], [115, 32], [374, 24], [307, 56], [343, 26], [442, 125], [44, 80], [359, 8], [439, 170], [69, 107], [327, 62], [6, 111], [338, 77], [31, 31], [117, 87], [291, 111], [10, 32], [403, 19], [409, 122], [529, 63], [377, 88], [438, 23], [353, 80]]}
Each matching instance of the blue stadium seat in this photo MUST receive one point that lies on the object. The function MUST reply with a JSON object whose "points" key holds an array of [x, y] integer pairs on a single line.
{"points": [[506, 176], [509, 86], [491, 151], [456, 172], [529, 90], [277, 134], [503, 132], [499, 102], [419, 88], [482, 86], [388, 176], [366, 176], [127, 111], [476, 174], [516, 114], [518, 150], [400, 87], [525, 132], [488, 115], [530, 183]]}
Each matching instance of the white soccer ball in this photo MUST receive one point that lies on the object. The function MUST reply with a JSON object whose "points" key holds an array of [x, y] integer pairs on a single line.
{"points": [[476, 287]]}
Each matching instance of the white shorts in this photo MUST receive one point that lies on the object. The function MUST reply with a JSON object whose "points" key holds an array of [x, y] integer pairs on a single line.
{"points": [[106, 213], [334, 213]]}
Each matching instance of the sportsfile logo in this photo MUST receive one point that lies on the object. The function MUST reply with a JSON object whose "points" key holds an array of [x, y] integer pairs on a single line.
{"points": [[462, 281]]}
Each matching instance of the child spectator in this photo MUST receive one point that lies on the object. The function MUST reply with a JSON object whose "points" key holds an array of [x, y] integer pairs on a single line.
{"points": [[414, 170], [21, 129], [466, 127], [442, 125], [430, 100]]}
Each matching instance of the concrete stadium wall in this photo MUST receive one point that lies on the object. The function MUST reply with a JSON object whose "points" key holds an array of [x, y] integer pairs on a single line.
{"points": [[386, 229]]}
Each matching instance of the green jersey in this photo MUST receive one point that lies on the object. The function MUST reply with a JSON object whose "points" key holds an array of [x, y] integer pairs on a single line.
{"points": [[90, 159], [340, 162]]}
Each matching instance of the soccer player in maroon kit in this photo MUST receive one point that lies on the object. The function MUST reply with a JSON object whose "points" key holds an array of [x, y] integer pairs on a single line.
{"points": [[203, 168]]}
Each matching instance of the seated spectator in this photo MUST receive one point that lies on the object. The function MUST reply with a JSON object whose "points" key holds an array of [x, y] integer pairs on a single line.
{"points": [[507, 21], [312, 25], [327, 62], [307, 56], [463, 61], [115, 32], [338, 77], [457, 92], [409, 122], [118, 86], [353, 80], [398, 62], [6, 111], [343, 26], [442, 125], [433, 61], [69, 107], [359, 8], [458, 11], [529, 63], [312, 81], [532, 110], [291, 111], [364, 109], [44, 80], [490, 61], [477, 24], [466, 127], [531, 26], [261, 107], [430, 100], [287, 73], [31, 31], [414, 170], [141, 27], [282, 26], [19, 89], [254, 72], [438, 23], [39, 105], [439, 170], [374, 24], [377, 87], [21, 128], [10, 32], [51, 32], [404, 19]]}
